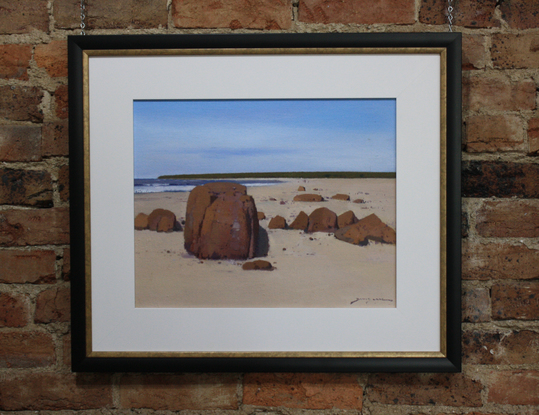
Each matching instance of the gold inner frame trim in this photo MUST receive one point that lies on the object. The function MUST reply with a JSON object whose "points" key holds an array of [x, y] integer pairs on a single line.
{"points": [[270, 51]]}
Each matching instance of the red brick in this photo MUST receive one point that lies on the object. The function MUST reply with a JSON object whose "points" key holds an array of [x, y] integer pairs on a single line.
{"points": [[489, 134], [14, 311], [63, 183], [359, 12], [55, 139], [474, 54], [179, 392], [509, 218], [52, 57], [66, 266], [34, 267], [515, 300], [497, 93], [483, 261], [53, 306], [66, 349], [34, 227], [518, 387], [23, 16], [520, 14], [54, 391], [119, 14], [515, 51], [15, 61], [424, 389], [496, 348], [533, 136], [234, 14], [475, 305], [25, 187], [61, 100], [26, 349], [20, 143], [479, 13], [302, 390], [21, 103], [500, 179]]}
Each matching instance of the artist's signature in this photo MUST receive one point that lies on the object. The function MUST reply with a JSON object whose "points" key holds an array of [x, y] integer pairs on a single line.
{"points": [[368, 299]]}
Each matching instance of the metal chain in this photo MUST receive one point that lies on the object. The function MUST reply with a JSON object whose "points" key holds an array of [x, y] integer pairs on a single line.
{"points": [[82, 17], [450, 15]]}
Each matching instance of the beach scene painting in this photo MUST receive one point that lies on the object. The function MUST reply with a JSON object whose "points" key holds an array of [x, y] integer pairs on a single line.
{"points": [[265, 203]]}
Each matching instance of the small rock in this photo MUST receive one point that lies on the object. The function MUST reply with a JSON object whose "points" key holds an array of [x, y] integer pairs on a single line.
{"points": [[308, 197], [259, 264], [322, 220], [141, 222], [278, 222], [163, 220], [301, 189], [301, 222], [261, 215], [340, 196], [359, 201]]}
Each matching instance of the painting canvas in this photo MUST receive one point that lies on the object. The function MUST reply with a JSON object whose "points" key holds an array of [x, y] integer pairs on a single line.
{"points": [[265, 203]]}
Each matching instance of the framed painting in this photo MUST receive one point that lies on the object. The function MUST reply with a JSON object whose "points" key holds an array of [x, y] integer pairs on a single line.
{"points": [[284, 202]]}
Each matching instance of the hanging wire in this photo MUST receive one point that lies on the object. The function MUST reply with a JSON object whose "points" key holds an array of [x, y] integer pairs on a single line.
{"points": [[82, 17], [450, 14]]}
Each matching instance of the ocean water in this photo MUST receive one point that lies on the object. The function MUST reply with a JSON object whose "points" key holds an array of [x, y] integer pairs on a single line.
{"points": [[176, 185]]}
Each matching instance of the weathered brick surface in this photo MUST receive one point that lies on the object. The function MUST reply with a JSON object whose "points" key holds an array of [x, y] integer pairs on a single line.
{"points": [[63, 183], [533, 136], [120, 14], [14, 310], [61, 101], [475, 305], [26, 349], [518, 387], [177, 392], [66, 350], [520, 14], [464, 225], [54, 391], [23, 16], [359, 12], [20, 103], [483, 261], [474, 55], [497, 348], [55, 139], [486, 178], [515, 300], [53, 305], [52, 57], [15, 61], [20, 143], [25, 187], [34, 227], [488, 134], [34, 267], [509, 218], [235, 14], [479, 13], [66, 266], [497, 93], [300, 390], [424, 389], [515, 51]]}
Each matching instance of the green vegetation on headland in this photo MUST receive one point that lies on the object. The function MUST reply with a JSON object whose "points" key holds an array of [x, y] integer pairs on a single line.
{"points": [[286, 175]]}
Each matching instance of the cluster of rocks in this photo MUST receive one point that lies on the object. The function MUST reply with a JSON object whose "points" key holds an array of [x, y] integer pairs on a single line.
{"points": [[160, 220], [346, 227]]}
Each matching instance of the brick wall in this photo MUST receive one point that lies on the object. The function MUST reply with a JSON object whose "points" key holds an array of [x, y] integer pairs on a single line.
{"points": [[500, 222]]}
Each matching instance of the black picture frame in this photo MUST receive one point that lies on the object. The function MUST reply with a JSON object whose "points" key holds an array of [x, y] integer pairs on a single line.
{"points": [[85, 359]]}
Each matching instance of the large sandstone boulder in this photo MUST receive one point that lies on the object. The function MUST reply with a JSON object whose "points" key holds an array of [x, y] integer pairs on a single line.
{"points": [[277, 222], [163, 220], [322, 220], [340, 196], [221, 222], [370, 228], [346, 218], [141, 222], [308, 197], [301, 222]]}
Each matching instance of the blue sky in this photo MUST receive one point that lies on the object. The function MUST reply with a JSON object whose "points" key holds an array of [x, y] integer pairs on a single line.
{"points": [[243, 136]]}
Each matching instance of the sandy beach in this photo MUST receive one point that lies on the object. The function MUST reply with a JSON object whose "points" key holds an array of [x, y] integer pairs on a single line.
{"points": [[310, 270]]}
